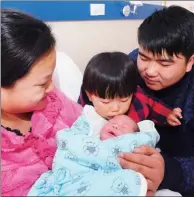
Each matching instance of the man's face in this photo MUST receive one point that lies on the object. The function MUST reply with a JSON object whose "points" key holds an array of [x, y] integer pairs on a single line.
{"points": [[162, 71]]}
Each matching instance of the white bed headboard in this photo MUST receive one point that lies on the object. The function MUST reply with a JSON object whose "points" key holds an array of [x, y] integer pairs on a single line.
{"points": [[67, 76]]}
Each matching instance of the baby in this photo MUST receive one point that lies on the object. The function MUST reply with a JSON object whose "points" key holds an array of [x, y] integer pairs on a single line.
{"points": [[118, 125], [88, 152]]}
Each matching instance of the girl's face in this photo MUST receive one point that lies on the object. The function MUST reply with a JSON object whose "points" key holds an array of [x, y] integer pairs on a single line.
{"points": [[29, 93], [108, 108]]}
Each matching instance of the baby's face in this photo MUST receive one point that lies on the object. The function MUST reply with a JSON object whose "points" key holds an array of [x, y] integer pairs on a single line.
{"points": [[119, 125]]}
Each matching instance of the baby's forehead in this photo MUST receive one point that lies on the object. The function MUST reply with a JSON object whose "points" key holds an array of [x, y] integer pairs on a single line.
{"points": [[122, 119]]}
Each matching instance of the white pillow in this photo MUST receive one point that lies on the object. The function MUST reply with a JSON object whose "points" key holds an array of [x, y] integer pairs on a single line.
{"points": [[67, 76]]}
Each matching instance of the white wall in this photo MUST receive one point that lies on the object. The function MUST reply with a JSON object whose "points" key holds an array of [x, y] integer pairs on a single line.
{"points": [[154, 2], [186, 4], [81, 40]]}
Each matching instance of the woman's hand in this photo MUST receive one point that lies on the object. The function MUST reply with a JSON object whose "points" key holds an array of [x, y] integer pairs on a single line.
{"points": [[147, 161]]}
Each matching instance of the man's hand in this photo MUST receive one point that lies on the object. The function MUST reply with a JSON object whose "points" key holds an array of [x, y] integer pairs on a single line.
{"points": [[147, 161]]}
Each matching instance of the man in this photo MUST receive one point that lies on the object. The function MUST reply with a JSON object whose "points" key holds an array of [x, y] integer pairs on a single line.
{"points": [[165, 60]]}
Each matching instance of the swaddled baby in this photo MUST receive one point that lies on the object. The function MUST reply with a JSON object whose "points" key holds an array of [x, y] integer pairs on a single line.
{"points": [[85, 162]]}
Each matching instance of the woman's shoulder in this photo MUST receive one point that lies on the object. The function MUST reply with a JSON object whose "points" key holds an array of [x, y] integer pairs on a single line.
{"points": [[61, 100], [59, 106]]}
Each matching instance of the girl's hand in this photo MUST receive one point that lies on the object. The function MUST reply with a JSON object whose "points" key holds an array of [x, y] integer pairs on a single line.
{"points": [[174, 117]]}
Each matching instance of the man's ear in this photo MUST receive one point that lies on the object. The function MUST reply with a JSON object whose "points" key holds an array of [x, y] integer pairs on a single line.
{"points": [[190, 63], [89, 95]]}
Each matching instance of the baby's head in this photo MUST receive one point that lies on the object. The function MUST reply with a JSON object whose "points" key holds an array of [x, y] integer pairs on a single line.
{"points": [[119, 125], [110, 79]]}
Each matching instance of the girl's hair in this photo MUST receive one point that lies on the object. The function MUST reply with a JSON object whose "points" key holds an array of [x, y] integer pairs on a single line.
{"points": [[24, 40], [110, 75]]}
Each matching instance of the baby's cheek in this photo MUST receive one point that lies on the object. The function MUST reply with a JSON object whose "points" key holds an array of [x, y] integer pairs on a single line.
{"points": [[108, 127], [105, 129], [128, 127], [105, 134]]}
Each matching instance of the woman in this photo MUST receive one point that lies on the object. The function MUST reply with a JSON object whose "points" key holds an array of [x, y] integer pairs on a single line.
{"points": [[32, 110]]}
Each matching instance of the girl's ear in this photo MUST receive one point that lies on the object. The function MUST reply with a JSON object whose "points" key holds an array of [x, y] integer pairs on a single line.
{"points": [[89, 96]]}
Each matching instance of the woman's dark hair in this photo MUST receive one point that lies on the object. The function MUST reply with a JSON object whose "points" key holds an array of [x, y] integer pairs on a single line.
{"points": [[170, 29], [24, 39], [110, 75]]}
